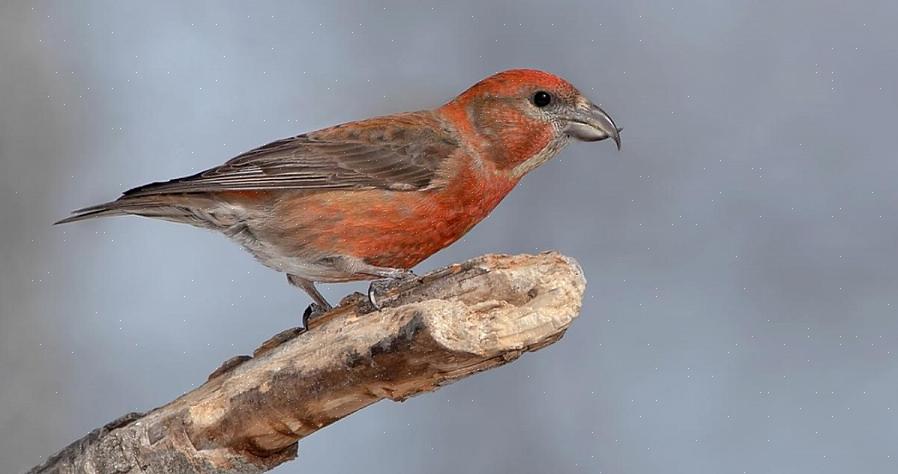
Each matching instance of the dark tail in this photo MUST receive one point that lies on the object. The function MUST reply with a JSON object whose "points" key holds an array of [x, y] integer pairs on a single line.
{"points": [[100, 210], [159, 207]]}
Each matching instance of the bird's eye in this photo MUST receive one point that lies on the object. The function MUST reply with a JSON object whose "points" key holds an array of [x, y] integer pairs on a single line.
{"points": [[542, 99]]}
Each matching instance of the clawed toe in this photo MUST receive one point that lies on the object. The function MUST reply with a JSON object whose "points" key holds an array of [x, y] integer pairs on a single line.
{"points": [[313, 311], [397, 279], [373, 288]]}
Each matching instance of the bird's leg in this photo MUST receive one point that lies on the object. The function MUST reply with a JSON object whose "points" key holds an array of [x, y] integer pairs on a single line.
{"points": [[387, 275], [320, 305], [358, 267]]}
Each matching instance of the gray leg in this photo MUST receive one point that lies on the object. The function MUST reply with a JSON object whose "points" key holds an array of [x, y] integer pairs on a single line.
{"points": [[320, 304], [356, 266], [309, 287], [385, 273]]}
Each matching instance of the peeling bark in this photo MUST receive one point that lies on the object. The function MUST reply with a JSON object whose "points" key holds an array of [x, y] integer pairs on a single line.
{"points": [[432, 331]]}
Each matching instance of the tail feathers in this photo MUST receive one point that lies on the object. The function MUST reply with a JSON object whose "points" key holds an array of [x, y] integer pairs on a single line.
{"points": [[147, 207], [100, 210]]}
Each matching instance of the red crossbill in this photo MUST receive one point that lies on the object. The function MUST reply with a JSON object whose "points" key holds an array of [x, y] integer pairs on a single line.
{"points": [[371, 199]]}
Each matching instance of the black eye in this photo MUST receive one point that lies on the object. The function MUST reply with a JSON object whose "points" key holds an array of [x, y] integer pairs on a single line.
{"points": [[542, 99]]}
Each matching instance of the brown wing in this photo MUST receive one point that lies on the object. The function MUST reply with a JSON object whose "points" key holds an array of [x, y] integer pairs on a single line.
{"points": [[402, 152]]}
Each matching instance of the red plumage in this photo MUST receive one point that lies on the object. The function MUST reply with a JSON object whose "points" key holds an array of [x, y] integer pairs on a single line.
{"points": [[373, 198]]}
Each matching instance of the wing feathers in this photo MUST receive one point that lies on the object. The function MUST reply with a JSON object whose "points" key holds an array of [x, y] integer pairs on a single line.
{"points": [[398, 153]]}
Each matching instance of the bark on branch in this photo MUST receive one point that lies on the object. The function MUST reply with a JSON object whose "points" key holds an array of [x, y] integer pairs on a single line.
{"points": [[249, 415]]}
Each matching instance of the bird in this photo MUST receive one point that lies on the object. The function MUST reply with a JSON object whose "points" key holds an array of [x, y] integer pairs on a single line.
{"points": [[370, 199]]}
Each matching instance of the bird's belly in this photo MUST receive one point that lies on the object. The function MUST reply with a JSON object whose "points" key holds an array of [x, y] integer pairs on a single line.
{"points": [[402, 234], [383, 228], [270, 252]]}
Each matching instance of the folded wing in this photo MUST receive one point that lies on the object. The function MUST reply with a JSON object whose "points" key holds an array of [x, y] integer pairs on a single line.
{"points": [[402, 153]]}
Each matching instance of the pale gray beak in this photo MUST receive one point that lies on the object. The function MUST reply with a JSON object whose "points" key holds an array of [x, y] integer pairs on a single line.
{"points": [[592, 124]]}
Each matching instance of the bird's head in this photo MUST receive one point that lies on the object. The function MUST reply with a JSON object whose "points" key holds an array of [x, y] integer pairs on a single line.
{"points": [[526, 116]]}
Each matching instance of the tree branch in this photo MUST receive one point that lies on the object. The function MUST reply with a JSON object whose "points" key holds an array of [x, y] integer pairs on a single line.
{"points": [[432, 331]]}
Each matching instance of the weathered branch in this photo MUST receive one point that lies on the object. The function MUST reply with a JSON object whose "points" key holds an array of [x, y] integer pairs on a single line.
{"points": [[248, 416]]}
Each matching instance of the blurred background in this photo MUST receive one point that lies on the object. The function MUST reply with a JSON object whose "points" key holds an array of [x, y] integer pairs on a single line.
{"points": [[740, 251]]}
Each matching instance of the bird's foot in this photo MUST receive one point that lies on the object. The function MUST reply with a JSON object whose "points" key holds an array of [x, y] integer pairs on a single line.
{"points": [[396, 278], [313, 311]]}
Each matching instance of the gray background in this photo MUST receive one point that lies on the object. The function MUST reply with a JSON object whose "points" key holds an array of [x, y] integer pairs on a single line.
{"points": [[740, 251]]}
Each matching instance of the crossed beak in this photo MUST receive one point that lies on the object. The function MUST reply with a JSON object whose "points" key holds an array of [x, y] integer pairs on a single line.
{"points": [[591, 124]]}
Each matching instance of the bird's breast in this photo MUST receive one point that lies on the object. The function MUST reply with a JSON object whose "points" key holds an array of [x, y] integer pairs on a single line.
{"points": [[394, 228]]}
